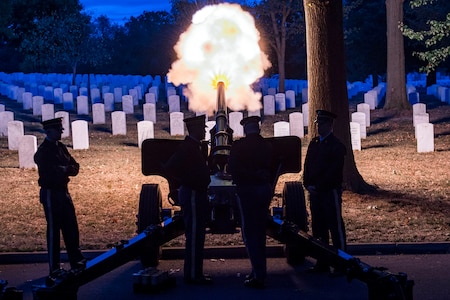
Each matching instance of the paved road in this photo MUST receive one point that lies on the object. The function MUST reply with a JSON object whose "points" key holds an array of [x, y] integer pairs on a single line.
{"points": [[430, 273]]}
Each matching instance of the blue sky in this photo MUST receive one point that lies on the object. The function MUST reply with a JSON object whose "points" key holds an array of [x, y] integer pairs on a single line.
{"points": [[118, 10]]}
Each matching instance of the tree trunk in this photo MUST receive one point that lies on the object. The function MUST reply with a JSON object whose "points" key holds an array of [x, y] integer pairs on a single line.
{"points": [[327, 88], [281, 73], [396, 78], [431, 78]]}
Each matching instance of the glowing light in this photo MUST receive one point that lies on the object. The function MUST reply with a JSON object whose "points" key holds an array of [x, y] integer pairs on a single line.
{"points": [[221, 44]]}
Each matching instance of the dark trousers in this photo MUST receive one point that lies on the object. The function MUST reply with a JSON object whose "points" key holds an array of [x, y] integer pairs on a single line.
{"points": [[326, 217], [254, 201], [60, 216], [195, 209]]}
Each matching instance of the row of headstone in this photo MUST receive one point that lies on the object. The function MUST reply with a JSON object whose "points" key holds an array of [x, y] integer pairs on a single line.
{"points": [[423, 129], [375, 95], [440, 92]]}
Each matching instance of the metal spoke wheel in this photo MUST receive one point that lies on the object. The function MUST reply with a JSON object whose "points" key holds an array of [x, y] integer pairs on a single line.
{"points": [[294, 208], [149, 213]]}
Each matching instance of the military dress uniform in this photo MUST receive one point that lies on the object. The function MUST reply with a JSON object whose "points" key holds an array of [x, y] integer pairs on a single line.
{"points": [[323, 170], [189, 168], [249, 164], [55, 165]]}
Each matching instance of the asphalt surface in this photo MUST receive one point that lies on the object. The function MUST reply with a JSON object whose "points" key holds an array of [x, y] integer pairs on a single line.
{"points": [[426, 264]]}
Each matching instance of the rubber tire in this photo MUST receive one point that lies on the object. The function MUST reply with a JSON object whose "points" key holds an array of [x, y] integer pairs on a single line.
{"points": [[294, 207], [149, 213]]}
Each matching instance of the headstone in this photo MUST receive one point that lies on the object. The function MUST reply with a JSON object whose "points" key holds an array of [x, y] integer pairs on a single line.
{"points": [[98, 113], [27, 149], [58, 96], [95, 95], [290, 99], [271, 91], [371, 98], [108, 100], [127, 104], [149, 111], [419, 108], [413, 97], [355, 133], [74, 90], [360, 118], [234, 119], [2, 107], [134, 95], [119, 122], [82, 105], [280, 102], [154, 90], [305, 111], [150, 98], [425, 137], [269, 105], [38, 101], [296, 127], [48, 93], [118, 94], [251, 113], [174, 103], [83, 91], [176, 123], [305, 95], [421, 118], [68, 101], [27, 99], [145, 131], [80, 135], [15, 133], [20, 92], [48, 111], [5, 118], [209, 125], [281, 128], [364, 108], [65, 122]]}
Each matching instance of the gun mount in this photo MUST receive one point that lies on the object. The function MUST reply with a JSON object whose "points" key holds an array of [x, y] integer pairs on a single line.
{"points": [[287, 224]]}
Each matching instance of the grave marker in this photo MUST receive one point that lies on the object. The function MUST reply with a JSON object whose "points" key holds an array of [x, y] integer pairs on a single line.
{"points": [[65, 122], [80, 135], [145, 131], [235, 118], [176, 123], [15, 133], [98, 113], [425, 137], [281, 128], [119, 122], [296, 127], [27, 149], [355, 133], [5, 118]]}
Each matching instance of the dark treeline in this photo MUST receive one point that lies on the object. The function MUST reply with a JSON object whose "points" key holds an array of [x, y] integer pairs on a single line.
{"points": [[57, 36]]}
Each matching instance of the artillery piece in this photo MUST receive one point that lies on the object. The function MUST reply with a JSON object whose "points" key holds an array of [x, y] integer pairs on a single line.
{"points": [[287, 224]]}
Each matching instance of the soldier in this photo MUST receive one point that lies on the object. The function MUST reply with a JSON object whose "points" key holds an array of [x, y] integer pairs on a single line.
{"points": [[249, 165], [189, 168], [322, 177], [55, 165]]}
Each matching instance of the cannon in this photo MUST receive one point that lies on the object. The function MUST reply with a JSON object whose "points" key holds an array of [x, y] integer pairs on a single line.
{"points": [[157, 225]]}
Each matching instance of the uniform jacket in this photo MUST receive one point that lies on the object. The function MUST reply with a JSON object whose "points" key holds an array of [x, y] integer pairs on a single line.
{"points": [[324, 163], [55, 165]]}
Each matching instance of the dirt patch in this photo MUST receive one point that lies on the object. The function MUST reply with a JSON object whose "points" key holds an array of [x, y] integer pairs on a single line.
{"points": [[412, 205]]}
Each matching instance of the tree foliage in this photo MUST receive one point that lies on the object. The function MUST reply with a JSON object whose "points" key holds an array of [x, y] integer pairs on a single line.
{"points": [[431, 27]]}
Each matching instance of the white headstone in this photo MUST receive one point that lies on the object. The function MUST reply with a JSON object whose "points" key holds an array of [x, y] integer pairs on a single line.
{"points": [[271, 91], [281, 128], [254, 113], [209, 125], [176, 123], [364, 108], [280, 102], [119, 123], [27, 149], [149, 111], [174, 103], [290, 99], [421, 118], [234, 119], [419, 108], [355, 133], [127, 104], [269, 105], [95, 95], [305, 111], [48, 111], [118, 94], [80, 135], [68, 101], [108, 100], [150, 98], [15, 133], [98, 113], [154, 90], [145, 131], [134, 95], [65, 122], [58, 96], [371, 98], [83, 91], [360, 118], [48, 93], [425, 137], [2, 107], [82, 105], [5, 118], [27, 98], [296, 127], [38, 101]]}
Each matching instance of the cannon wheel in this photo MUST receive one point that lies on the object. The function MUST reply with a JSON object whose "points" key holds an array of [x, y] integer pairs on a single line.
{"points": [[149, 213], [294, 205]]}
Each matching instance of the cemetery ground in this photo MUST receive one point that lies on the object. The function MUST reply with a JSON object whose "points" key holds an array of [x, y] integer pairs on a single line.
{"points": [[412, 203]]}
